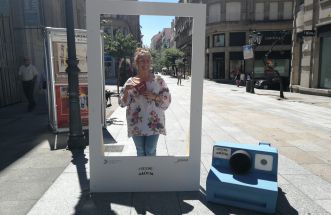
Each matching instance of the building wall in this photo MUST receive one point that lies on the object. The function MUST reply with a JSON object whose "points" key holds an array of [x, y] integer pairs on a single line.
{"points": [[310, 76], [30, 16], [223, 19]]}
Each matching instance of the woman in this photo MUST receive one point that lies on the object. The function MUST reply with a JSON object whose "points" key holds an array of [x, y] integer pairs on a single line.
{"points": [[146, 97]]}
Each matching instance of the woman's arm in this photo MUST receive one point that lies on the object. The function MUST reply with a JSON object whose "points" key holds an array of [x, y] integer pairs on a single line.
{"points": [[163, 99], [125, 97]]}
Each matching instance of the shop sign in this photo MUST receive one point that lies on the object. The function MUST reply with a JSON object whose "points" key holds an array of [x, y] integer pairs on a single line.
{"points": [[307, 33]]}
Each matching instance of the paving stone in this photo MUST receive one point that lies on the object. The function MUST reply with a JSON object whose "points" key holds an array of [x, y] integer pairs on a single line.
{"points": [[155, 203], [287, 166], [15, 207], [195, 203], [262, 117], [105, 203], [298, 155], [16, 191], [325, 204], [292, 201], [68, 191], [31, 175], [281, 180], [313, 186], [322, 170], [306, 145]]}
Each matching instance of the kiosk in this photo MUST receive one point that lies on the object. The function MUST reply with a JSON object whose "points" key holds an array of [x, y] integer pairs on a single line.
{"points": [[139, 174], [55, 48], [57, 79]]}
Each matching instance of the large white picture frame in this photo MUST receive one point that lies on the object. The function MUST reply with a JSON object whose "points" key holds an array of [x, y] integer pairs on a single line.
{"points": [[140, 174]]}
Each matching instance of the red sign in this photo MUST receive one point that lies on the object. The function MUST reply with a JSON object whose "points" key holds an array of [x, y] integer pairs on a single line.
{"points": [[62, 105]]}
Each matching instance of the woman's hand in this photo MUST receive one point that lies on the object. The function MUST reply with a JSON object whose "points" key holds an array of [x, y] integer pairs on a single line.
{"points": [[150, 95], [126, 90]]}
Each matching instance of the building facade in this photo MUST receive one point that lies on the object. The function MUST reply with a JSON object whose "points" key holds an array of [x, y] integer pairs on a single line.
{"points": [[228, 26], [161, 40], [156, 41], [311, 70], [25, 22], [111, 24]]}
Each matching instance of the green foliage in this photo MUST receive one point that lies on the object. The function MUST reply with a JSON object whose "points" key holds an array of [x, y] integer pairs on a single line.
{"points": [[120, 46], [180, 63], [156, 63], [169, 57]]}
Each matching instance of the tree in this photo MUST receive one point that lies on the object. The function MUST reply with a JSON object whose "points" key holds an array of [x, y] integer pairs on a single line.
{"points": [[169, 57], [121, 47], [156, 63]]}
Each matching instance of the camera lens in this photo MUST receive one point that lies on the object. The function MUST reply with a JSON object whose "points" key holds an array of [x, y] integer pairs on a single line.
{"points": [[240, 162]]}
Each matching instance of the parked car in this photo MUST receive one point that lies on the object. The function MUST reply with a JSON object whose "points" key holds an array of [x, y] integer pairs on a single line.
{"points": [[267, 84], [270, 84]]}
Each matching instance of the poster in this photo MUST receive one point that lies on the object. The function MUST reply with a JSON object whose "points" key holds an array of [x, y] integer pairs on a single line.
{"points": [[62, 105], [60, 53], [248, 52]]}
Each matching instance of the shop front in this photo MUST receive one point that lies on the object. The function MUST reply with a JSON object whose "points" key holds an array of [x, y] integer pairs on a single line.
{"points": [[218, 65], [325, 53]]}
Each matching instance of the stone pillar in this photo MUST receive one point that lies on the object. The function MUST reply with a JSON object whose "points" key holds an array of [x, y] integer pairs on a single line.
{"points": [[210, 65], [305, 76], [227, 56], [295, 67]]}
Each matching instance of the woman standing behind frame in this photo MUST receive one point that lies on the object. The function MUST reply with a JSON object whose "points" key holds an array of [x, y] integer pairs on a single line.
{"points": [[146, 97]]}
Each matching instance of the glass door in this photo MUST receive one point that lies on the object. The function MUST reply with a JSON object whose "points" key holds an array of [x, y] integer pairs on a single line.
{"points": [[325, 62]]}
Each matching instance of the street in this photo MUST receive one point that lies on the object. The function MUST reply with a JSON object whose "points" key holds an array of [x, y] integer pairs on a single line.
{"points": [[298, 126]]}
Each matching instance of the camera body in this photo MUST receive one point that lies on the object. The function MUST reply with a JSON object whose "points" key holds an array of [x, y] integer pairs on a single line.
{"points": [[244, 175]]}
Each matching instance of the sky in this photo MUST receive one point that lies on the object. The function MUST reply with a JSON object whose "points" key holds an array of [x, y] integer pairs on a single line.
{"points": [[151, 25]]}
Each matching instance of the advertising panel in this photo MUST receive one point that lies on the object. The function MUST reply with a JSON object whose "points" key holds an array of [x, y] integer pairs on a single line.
{"points": [[57, 77], [62, 105]]}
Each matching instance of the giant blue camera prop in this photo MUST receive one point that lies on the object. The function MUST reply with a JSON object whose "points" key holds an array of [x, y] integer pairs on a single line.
{"points": [[244, 176]]}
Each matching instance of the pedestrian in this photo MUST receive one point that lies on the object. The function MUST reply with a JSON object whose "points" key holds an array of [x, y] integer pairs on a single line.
{"points": [[237, 76], [146, 97], [179, 77], [28, 75]]}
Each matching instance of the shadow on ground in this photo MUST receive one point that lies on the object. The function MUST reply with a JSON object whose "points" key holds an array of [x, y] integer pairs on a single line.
{"points": [[22, 131], [154, 202]]}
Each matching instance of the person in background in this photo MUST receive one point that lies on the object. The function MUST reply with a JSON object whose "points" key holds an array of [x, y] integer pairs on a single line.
{"points": [[179, 77], [237, 76], [146, 97], [28, 75]]}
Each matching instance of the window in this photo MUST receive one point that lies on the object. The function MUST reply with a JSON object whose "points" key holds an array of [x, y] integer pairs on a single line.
{"points": [[214, 13], [325, 63], [233, 11], [218, 40], [287, 13], [237, 39], [273, 11], [259, 11]]}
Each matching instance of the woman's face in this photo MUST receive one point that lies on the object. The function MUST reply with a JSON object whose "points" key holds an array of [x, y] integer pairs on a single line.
{"points": [[144, 63]]}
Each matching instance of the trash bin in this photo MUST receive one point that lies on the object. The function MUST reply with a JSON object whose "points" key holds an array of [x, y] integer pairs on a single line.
{"points": [[248, 85]]}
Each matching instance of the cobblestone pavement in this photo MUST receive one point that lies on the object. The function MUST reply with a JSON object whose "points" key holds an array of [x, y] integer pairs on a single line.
{"points": [[298, 126]]}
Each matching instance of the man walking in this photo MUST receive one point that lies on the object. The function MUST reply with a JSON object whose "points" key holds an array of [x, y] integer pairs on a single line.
{"points": [[28, 75]]}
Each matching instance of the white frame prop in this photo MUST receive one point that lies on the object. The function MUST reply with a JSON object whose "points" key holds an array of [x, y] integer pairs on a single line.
{"points": [[140, 174]]}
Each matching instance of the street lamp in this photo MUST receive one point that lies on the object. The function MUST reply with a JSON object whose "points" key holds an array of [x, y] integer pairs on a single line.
{"points": [[254, 39], [76, 136]]}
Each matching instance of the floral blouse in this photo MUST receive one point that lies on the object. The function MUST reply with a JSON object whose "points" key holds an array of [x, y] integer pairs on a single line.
{"points": [[146, 117]]}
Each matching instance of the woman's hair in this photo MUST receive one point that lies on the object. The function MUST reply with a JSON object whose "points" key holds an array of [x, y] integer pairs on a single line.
{"points": [[139, 53]]}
